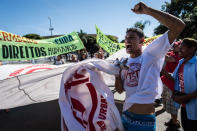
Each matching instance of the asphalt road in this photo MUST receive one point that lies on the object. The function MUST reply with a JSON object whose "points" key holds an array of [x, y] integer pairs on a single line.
{"points": [[46, 117]]}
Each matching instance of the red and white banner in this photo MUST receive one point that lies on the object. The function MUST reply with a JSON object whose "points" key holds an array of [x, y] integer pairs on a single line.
{"points": [[27, 84], [12, 70], [86, 102]]}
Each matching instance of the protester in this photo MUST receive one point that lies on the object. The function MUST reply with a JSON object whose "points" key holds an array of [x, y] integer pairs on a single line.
{"points": [[59, 60], [142, 80], [78, 55], [185, 76], [171, 61], [74, 58], [99, 55], [82, 54], [96, 55], [83, 57]]}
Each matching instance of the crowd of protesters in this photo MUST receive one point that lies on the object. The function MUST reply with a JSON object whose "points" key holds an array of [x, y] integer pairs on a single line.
{"points": [[77, 56], [141, 80]]}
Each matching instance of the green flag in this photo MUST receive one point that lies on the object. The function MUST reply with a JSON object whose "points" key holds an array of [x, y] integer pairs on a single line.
{"points": [[107, 44], [14, 47], [112, 47]]}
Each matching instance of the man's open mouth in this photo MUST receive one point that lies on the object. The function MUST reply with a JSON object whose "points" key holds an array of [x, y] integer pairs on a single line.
{"points": [[129, 47]]}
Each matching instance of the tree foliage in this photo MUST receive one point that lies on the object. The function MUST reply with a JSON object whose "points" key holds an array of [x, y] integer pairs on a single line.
{"points": [[33, 36], [89, 41], [187, 11], [91, 45], [82, 36], [113, 38], [141, 24]]}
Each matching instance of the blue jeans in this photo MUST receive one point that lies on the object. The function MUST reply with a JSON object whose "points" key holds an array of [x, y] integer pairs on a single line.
{"points": [[138, 122]]}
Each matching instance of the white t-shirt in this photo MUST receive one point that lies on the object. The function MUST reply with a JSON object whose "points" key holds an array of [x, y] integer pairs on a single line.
{"points": [[60, 62], [142, 81], [131, 75]]}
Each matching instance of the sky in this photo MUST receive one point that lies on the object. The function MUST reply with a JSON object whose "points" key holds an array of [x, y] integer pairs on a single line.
{"points": [[113, 17]]}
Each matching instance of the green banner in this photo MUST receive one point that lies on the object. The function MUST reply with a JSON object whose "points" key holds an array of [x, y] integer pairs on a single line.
{"points": [[107, 44], [14, 47], [112, 47]]}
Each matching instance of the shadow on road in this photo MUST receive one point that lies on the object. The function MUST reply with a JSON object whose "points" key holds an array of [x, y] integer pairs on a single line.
{"points": [[37, 117]]}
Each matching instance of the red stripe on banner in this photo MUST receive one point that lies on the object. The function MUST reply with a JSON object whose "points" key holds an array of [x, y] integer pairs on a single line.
{"points": [[16, 72], [75, 83], [94, 105], [78, 119], [78, 106], [64, 125], [32, 70], [68, 84], [85, 122], [77, 76]]}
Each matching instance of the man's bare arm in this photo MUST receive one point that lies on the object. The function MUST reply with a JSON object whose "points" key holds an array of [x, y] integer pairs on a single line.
{"points": [[185, 98], [174, 24], [119, 84]]}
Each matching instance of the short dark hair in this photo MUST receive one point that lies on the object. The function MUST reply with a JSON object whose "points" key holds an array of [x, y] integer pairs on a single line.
{"points": [[60, 56], [139, 31], [190, 42]]}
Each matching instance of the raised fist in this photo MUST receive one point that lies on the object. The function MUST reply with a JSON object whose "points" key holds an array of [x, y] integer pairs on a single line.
{"points": [[140, 8]]}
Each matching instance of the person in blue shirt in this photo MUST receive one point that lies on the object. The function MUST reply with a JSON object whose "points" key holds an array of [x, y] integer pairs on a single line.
{"points": [[185, 76]]}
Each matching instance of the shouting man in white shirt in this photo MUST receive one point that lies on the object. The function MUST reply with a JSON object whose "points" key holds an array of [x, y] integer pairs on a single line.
{"points": [[142, 81]]}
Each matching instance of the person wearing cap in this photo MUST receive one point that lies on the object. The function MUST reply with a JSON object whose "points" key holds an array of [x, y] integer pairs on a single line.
{"points": [[141, 81], [185, 76], [171, 61]]}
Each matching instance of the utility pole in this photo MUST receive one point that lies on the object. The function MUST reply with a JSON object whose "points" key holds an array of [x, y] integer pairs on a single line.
{"points": [[50, 26]]}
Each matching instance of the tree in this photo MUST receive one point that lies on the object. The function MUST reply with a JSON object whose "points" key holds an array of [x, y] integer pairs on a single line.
{"points": [[89, 41], [187, 11], [33, 36], [141, 24], [82, 36], [122, 41], [113, 38], [91, 45]]}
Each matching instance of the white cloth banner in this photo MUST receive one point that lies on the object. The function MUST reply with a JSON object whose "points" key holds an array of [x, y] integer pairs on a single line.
{"points": [[12, 70], [28, 84], [35, 87], [24, 84], [86, 102]]}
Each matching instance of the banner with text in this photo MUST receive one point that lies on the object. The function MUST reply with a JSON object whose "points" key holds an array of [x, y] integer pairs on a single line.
{"points": [[14, 47], [107, 44], [112, 47]]}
